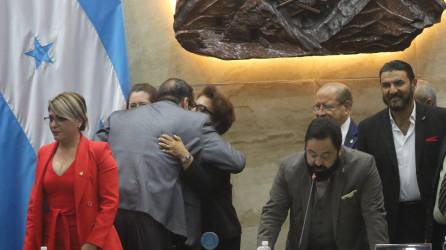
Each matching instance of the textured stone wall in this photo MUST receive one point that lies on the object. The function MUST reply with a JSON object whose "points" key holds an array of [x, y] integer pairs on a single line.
{"points": [[273, 98], [234, 29]]}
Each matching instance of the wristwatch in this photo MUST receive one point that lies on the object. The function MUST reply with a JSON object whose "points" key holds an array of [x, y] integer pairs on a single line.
{"points": [[185, 159]]}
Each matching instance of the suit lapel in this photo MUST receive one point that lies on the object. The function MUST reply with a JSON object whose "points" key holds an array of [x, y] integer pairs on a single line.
{"points": [[388, 139], [81, 170], [304, 190], [420, 120], [338, 182], [44, 160], [352, 135]]}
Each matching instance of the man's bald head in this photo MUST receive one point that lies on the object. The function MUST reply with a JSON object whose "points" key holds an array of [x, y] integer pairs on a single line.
{"points": [[334, 100], [178, 91], [425, 93], [341, 92]]}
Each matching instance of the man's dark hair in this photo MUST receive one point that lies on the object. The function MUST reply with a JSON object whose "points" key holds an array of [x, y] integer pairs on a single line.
{"points": [[223, 114], [175, 90], [144, 87], [322, 128], [398, 65]]}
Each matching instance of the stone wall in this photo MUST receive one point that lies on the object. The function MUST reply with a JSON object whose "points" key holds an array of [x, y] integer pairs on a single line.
{"points": [[273, 98]]}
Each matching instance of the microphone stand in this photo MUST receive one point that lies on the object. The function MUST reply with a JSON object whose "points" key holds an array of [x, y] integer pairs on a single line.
{"points": [[310, 197]]}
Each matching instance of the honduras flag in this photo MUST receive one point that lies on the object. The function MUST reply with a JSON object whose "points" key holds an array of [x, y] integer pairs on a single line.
{"points": [[48, 47]]}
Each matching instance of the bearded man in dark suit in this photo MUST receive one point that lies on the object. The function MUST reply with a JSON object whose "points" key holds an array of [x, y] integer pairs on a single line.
{"points": [[405, 140]]}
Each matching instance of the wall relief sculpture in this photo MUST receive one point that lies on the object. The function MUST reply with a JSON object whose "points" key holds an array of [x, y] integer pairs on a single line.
{"points": [[243, 29]]}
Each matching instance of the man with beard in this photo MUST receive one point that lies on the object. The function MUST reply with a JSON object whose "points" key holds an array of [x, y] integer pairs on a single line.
{"points": [[334, 195], [405, 140]]}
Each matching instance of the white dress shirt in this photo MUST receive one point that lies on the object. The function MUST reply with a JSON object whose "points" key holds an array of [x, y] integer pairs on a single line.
{"points": [[344, 128], [405, 154], [438, 216]]}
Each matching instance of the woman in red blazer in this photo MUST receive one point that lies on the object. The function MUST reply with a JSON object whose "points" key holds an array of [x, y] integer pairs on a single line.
{"points": [[74, 199]]}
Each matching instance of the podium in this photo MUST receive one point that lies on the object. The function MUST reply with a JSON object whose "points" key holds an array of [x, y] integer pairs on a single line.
{"points": [[424, 246]]}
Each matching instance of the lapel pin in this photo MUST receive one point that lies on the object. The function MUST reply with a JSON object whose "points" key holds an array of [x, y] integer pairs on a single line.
{"points": [[423, 118], [351, 140], [81, 173]]}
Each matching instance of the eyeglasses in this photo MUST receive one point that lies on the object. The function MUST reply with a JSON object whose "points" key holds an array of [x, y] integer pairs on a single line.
{"points": [[191, 103], [203, 109], [324, 107], [55, 118], [137, 104]]}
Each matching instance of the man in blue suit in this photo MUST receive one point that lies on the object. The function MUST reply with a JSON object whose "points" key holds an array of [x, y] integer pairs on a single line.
{"points": [[335, 100]]}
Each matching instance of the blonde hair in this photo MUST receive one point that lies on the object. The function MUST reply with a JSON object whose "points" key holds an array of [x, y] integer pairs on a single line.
{"points": [[71, 106]]}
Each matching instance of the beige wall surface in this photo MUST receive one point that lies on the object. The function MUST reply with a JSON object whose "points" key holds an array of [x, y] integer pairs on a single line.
{"points": [[273, 98]]}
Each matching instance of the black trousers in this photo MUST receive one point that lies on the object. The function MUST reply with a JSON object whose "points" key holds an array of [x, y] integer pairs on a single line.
{"points": [[229, 243], [411, 223], [439, 232], [139, 231]]}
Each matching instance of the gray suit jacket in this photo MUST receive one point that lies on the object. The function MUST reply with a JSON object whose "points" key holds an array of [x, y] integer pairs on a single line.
{"points": [[149, 179], [357, 201]]}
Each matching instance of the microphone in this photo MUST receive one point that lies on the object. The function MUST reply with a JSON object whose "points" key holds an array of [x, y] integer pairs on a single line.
{"points": [[310, 198]]}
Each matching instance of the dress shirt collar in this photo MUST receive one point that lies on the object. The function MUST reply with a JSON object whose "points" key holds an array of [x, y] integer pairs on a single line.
{"points": [[344, 129], [411, 118]]}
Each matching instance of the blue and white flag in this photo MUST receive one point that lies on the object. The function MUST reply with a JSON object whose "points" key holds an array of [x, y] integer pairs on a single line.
{"points": [[48, 47]]}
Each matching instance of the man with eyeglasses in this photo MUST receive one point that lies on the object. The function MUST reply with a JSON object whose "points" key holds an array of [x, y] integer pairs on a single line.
{"points": [[335, 101]]}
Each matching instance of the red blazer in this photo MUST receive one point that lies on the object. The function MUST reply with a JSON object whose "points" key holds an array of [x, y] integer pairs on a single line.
{"points": [[96, 194]]}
